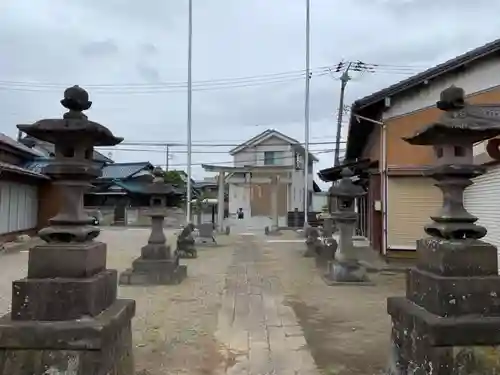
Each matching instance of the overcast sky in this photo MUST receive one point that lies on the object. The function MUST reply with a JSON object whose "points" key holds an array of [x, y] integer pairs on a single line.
{"points": [[131, 56]]}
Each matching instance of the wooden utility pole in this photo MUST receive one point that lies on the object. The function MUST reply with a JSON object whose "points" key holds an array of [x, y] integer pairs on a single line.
{"points": [[343, 83]]}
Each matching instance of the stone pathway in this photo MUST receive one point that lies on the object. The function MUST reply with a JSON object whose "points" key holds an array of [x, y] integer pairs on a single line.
{"points": [[260, 334]]}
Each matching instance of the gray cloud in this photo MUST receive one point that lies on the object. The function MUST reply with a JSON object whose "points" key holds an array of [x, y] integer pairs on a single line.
{"points": [[138, 50], [101, 49]]}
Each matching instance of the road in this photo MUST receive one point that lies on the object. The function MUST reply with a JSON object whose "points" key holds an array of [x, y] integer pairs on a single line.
{"points": [[250, 306]]}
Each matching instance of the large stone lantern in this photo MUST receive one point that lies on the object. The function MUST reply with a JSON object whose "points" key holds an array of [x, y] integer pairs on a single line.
{"points": [[449, 321], [156, 264], [65, 317], [346, 266]]}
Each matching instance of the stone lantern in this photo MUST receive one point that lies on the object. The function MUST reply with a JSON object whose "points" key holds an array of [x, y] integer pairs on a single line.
{"points": [[346, 266], [65, 317], [156, 264], [449, 321]]}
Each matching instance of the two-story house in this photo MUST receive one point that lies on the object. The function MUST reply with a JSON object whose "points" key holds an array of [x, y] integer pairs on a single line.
{"points": [[252, 191], [400, 199]]}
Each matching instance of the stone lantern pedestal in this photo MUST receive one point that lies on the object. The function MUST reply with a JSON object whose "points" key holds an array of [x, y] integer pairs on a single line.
{"points": [[65, 317], [346, 267], [449, 320], [156, 265]]}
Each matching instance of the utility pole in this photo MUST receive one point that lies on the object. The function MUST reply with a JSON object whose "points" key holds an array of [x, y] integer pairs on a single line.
{"points": [[344, 78], [189, 109], [167, 157], [306, 115]]}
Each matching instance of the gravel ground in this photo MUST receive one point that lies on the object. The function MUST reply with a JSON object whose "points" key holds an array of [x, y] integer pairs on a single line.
{"points": [[174, 325], [347, 328]]}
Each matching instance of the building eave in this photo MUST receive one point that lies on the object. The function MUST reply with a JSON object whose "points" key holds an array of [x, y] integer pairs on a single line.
{"points": [[375, 101], [14, 169], [261, 138]]}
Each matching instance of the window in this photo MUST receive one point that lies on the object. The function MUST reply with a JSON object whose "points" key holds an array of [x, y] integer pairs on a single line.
{"points": [[459, 151], [273, 157]]}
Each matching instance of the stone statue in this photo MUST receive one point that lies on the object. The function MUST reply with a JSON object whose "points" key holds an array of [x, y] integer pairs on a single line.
{"points": [[313, 242], [186, 243]]}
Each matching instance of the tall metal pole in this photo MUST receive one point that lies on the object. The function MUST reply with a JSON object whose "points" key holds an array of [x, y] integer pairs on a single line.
{"points": [[306, 116], [343, 83], [189, 109]]}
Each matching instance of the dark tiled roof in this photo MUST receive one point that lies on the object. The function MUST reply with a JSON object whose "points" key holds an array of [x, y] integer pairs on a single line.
{"points": [[334, 173], [46, 149], [200, 184], [18, 146], [36, 166], [436, 71], [123, 170], [20, 170], [354, 146], [140, 187]]}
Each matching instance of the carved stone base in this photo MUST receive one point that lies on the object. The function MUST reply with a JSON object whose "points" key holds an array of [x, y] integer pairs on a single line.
{"points": [[310, 251], [187, 253], [425, 343], [154, 272], [344, 273], [99, 346], [63, 298]]}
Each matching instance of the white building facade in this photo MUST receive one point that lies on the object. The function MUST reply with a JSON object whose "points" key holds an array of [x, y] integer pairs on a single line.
{"points": [[251, 191]]}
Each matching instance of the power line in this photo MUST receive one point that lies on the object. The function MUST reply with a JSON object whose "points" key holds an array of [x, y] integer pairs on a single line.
{"points": [[232, 162], [203, 85], [270, 78], [158, 89], [208, 144], [194, 152]]}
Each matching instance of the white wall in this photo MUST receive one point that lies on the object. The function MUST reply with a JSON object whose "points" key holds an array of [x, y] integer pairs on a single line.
{"points": [[18, 207], [479, 148], [319, 200], [477, 77], [255, 155], [239, 196]]}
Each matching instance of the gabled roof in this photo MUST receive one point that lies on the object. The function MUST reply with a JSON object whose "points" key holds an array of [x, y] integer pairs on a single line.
{"points": [[123, 170], [436, 71], [18, 146], [363, 128], [259, 138], [269, 133]]}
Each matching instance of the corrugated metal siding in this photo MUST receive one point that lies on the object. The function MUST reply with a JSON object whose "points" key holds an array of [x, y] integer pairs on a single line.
{"points": [[482, 199], [411, 202], [18, 207]]}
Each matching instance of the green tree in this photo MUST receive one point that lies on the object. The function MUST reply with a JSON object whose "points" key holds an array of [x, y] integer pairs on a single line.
{"points": [[174, 178]]}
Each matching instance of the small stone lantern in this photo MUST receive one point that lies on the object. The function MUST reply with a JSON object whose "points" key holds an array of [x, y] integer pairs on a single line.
{"points": [[450, 317], [157, 264], [346, 266], [65, 316]]}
